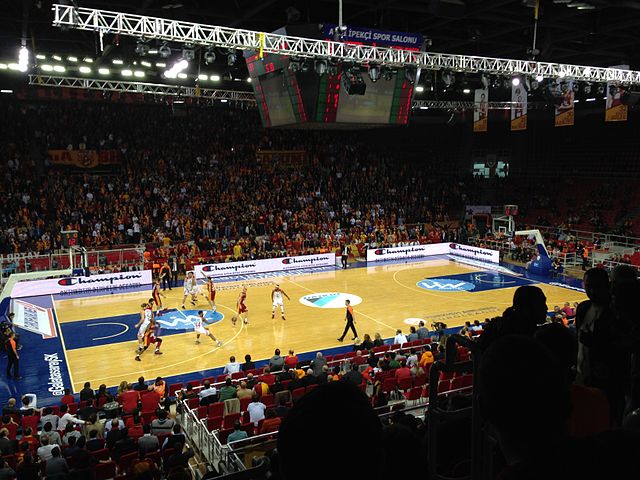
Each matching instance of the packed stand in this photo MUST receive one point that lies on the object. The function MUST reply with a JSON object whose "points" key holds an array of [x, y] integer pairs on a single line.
{"points": [[198, 178]]}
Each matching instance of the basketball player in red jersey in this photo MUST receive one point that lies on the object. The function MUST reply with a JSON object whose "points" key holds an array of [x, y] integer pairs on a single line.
{"points": [[150, 336], [156, 295], [243, 311], [210, 293]]}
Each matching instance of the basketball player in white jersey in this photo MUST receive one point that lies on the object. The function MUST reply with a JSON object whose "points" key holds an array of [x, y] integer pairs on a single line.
{"points": [[277, 300], [199, 328], [190, 288], [146, 315]]}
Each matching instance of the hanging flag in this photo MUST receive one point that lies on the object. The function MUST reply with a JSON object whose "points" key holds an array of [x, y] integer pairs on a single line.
{"points": [[481, 110], [565, 97], [518, 108], [615, 111]]}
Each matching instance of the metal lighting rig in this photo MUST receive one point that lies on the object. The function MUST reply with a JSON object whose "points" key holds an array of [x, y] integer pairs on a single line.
{"points": [[140, 26]]}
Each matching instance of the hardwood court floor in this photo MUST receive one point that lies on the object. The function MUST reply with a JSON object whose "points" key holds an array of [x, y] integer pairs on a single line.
{"points": [[390, 295]]}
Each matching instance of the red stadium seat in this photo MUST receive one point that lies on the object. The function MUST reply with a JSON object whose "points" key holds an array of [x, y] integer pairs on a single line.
{"points": [[216, 409], [173, 388], [413, 395], [214, 423], [243, 404], [224, 434], [230, 419], [444, 386], [105, 471]]}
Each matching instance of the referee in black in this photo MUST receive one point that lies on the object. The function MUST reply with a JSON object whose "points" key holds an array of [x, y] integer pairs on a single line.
{"points": [[350, 322]]}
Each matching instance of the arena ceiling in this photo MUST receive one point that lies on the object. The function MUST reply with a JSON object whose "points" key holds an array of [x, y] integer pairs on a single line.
{"points": [[590, 32]]}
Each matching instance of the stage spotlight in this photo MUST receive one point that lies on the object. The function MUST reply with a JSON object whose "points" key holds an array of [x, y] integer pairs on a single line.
{"points": [[576, 87], [231, 59], [387, 74], [305, 66], [374, 73], [448, 79], [164, 51], [515, 81], [332, 69], [587, 88], [142, 48], [539, 78], [411, 75], [188, 54], [294, 65], [320, 67], [600, 89], [209, 56]]}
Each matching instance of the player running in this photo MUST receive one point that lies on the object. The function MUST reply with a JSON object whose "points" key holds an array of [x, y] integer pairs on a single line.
{"points": [[151, 336], [190, 288], [243, 311], [210, 293], [199, 328], [277, 300], [157, 297]]}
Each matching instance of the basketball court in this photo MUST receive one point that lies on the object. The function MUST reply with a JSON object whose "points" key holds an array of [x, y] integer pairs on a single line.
{"points": [[98, 339]]}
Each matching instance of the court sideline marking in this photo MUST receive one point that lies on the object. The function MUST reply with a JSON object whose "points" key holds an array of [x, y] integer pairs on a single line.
{"points": [[64, 347], [120, 375], [359, 311]]}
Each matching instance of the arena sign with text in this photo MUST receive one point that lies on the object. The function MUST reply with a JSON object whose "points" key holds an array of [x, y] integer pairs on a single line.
{"points": [[412, 251], [262, 266], [476, 253], [67, 285], [372, 36]]}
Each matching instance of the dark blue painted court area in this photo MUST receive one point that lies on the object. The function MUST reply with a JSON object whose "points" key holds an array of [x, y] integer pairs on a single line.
{"points": [[473, 282], [120, 328]]}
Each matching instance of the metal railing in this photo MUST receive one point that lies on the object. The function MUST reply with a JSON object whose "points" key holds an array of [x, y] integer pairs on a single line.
{"points": [[206, 443], [95, 260]]}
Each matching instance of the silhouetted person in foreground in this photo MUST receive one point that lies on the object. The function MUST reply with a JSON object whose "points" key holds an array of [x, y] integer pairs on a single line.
{"points": [[529, 310], [603, 345], [338, 416], [524, 397]]}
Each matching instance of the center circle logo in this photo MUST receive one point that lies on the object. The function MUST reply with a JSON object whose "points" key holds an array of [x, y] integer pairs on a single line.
{"points": [[329, 300], [185, 319], [445, 285]]}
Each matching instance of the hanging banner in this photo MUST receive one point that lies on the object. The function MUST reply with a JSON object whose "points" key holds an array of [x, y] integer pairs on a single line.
{"points": [[84, 158], [481, 110], [518, 108], [565, 104], [615, 111]]}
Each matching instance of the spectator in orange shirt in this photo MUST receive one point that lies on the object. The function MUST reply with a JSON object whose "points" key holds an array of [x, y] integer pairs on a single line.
{"points": [[426, 358]]}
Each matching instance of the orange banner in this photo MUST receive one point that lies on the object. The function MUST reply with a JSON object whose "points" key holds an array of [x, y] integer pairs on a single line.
{"points": [[565, 107], [615, 111], [518, 108], [84, 158]]}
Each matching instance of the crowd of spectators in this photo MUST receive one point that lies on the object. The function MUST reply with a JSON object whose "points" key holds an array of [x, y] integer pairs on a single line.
{"points": [[198, 178], [573, 370]]}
